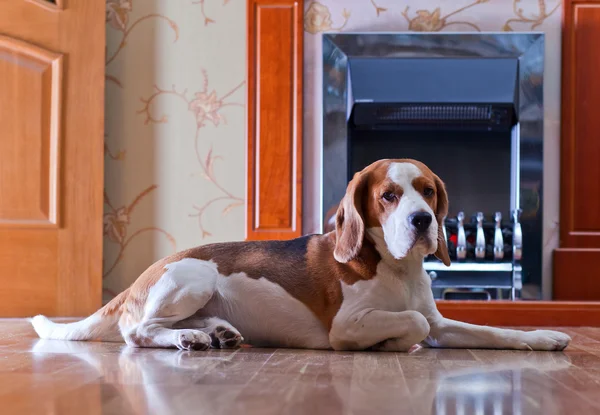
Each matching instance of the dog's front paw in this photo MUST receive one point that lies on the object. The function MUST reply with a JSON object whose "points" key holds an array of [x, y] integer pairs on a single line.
{"points": [[546, 340], [192, 340], [226, 337]]}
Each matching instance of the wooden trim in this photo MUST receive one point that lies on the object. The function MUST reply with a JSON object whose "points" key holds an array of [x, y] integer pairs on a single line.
{"points": [[566, 164], [274, 123], [523, 313]]}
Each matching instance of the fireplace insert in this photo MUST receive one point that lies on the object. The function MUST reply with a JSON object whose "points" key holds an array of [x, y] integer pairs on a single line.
{"points": [[470, 106]]}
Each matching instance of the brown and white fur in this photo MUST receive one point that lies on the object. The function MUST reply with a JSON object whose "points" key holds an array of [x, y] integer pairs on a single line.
{"points": [[359, 287]]}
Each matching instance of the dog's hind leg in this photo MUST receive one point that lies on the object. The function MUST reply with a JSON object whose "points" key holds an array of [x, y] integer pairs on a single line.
{"points": [[223, 335], [184, 288]]}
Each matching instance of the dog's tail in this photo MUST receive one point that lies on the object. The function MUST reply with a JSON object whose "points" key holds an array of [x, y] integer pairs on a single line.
{"points": [[101, 326]]}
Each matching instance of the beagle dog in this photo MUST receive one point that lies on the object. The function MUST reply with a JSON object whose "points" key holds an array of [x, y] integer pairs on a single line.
{"points": [[361, 286]]}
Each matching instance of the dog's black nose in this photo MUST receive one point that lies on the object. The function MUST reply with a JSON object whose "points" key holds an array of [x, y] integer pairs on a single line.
{"points": [[421, 221]]}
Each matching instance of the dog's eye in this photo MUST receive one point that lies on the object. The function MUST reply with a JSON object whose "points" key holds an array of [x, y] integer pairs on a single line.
{"points": [[389, 196], [428, 191]]}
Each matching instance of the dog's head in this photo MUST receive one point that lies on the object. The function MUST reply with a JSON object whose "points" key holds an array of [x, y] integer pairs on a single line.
{"points": [[398, 202]]}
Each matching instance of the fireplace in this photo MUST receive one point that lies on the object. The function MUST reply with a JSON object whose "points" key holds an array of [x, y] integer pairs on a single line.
{"points": [[470, 106]]}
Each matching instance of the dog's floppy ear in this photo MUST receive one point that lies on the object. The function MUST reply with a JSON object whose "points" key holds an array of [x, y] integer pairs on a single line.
{"points": [[349, 221], [441, 212]]}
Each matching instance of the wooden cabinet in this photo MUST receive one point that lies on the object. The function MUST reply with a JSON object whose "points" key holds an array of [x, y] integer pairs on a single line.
{"points": [[274, 128], [577, 261]]}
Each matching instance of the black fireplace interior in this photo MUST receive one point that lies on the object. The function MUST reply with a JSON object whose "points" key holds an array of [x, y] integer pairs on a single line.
{"points": [[475, 181], [455, 115], [474, 163]]}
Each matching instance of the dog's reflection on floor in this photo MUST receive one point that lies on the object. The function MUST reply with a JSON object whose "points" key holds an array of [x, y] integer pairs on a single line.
{"points": [[514, 383], [285, 381]]}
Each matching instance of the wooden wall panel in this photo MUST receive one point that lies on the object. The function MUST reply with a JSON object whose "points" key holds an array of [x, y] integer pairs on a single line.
{"points": [[579, 279], [577, 261], [274, 130]]}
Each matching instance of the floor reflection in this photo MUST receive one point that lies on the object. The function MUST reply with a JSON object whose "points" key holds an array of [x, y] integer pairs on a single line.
{"points": [[505, 387], [289, 381]]}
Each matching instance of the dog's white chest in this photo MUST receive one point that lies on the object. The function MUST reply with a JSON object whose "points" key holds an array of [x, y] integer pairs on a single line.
{"points": [[389, 291], [377, 294]]}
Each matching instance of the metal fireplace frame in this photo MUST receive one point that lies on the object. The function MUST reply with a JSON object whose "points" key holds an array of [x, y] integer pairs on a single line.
{"points": [[527, 137]]}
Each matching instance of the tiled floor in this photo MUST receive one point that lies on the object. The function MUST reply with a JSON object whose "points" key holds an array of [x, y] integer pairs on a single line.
{"points": [[54, 377]]}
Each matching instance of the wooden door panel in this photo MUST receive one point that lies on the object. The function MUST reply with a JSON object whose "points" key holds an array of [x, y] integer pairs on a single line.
{"points": [[30, 85], [274, 119], [580, 150], [585, 124], [577, 261], [51, 156], [28, 262]]}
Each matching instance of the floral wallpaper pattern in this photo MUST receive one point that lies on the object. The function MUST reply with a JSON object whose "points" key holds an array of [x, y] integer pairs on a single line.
{"points": [[175, 126], [175, 119], [433, 16]]}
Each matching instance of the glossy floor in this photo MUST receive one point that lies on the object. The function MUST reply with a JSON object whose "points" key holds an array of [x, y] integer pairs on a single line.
{"points": [[54, 377]]}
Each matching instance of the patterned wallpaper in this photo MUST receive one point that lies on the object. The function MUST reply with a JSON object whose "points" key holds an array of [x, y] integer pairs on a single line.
{"points": [[175, 117], [175, 122]]}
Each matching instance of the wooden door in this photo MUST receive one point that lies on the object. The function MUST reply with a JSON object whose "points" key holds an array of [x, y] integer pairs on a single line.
{"points": [[577, 262], [275, 69], [51, 156]]}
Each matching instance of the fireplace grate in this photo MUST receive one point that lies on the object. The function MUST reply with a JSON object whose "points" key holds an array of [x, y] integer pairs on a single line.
{"points": [[433, 115]]}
